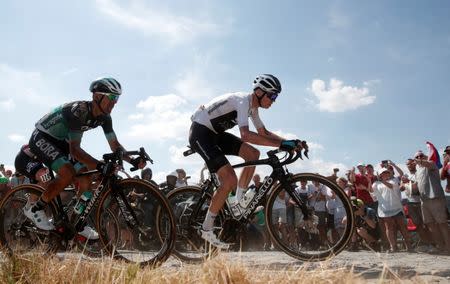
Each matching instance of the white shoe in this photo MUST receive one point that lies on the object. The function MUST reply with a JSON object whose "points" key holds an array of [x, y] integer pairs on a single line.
{"points": [[89, 233], [39, 218], [211, 238]]}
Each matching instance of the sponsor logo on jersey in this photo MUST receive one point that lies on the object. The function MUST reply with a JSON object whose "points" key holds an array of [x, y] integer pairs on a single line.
{"points": [[216, 106], [47, 149], [52, 120]]}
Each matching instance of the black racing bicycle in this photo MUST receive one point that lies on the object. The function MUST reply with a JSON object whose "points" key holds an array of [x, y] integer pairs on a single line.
{"points": [[123, 232], [322, 226]]}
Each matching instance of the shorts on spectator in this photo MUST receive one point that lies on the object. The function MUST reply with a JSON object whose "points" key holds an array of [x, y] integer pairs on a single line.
{"points": [[434, 211], [279, 216], [290, 215], [330, 221], [322, 217], [415, 213]]}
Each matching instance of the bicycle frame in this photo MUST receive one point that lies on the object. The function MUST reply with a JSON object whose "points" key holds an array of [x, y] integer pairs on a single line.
{"points": [[278, 174]]}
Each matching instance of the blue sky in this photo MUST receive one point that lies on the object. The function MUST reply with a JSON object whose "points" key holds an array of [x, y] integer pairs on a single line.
{"points": [[362, 80]]}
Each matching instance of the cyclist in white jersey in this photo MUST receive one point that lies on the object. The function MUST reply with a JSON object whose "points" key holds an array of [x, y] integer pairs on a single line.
{"points": [[207, 137]]}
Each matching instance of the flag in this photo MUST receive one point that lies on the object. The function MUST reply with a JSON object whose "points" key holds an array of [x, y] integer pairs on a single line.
{"points": [[433, 155]]}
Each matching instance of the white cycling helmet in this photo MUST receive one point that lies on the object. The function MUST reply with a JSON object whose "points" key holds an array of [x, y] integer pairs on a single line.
{"points": [[268, 83], [106, 85]]}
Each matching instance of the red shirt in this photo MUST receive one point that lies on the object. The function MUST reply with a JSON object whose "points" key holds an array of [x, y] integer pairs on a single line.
{"points": [[362, 194]]}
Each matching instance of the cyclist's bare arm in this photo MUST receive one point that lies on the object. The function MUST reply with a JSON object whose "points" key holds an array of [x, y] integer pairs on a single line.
{"points": [[82, 156], [262, 138], [263, 131], [114, 145]]}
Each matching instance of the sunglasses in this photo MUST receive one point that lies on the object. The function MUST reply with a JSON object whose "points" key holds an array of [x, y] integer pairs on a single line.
{"points": [[272, 96], [420, 156], [111, 97]]}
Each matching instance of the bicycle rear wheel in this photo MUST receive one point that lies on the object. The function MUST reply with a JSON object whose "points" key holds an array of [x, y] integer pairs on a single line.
{"points": [[189, 215], [140, 242], [325, 234], [18, 234]]}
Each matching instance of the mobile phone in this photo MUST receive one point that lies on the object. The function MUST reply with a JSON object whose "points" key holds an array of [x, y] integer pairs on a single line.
{"points": [[2, 166], [384, 162]]}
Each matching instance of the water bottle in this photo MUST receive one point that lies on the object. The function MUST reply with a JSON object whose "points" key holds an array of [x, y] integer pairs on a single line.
{"points": [[82, 202], [247, 198], [234, 205]]}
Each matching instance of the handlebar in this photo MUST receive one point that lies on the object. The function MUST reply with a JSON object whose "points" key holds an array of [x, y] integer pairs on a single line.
{"points": [[117, 156]]}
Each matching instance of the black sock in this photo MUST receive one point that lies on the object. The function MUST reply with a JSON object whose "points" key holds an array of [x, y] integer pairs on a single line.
{"points": [[39, 205]]}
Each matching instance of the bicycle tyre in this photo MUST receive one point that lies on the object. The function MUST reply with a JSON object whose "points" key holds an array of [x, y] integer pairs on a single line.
{"points": [[95, 248], [23, 228], [189, 246], [157, 249], [309, 252]]}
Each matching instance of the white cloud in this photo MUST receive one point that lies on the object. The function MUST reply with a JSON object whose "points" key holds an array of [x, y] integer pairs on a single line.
{"points": [[16, 138], [338, 97], [136, 116], [164, 118], [24, 86], [194, 85], [69, 71], [372, 82], [8, 104], [338, 19], [154, 21]]}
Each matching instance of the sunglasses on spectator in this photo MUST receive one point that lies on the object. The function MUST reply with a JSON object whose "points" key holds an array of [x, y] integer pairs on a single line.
{"points": [[272, 96], [111, 97], [420, 156]]}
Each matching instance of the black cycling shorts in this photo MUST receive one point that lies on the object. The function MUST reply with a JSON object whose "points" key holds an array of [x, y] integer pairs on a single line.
{"points": [[213, 147], [27, 166], [52, 152]]}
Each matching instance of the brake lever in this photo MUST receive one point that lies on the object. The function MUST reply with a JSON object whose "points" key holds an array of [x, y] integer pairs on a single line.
{"points": [[306, 154], [300, 155]]}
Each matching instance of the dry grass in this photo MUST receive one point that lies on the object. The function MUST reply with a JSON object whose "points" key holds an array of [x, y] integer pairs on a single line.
{"points": [[37, 269]]}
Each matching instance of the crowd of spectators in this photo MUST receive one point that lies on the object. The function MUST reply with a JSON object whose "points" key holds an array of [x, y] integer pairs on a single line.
{"points": [[394, 210]]}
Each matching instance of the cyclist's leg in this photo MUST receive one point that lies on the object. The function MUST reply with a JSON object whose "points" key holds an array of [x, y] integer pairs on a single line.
{"points": [[54, 154], [248, 153], [232, 145], [205, 143]]}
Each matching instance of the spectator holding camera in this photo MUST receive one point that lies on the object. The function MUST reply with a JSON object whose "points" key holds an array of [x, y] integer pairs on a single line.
{"points": [[390, 209], [434, 207], [413, 197], [445, 171], [366, 224]]}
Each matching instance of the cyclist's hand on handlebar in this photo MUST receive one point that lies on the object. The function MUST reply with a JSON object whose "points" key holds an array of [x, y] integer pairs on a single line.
{"points": [[138, 163], [290, 145]]}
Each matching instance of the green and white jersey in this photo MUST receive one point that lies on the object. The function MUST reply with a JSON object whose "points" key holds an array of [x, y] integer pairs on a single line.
{"points": [[69, 121]]}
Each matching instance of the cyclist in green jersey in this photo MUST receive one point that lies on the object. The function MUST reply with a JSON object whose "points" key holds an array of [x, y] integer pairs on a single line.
{"points": [[56, 143]]}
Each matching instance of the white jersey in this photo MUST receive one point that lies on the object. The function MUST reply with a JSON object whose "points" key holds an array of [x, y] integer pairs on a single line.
{"points": [[226, 111]]}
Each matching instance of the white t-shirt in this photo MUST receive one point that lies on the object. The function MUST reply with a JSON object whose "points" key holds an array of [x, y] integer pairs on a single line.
{"points": [[319, 205], [279, 203], [389, 200], [226, 111]]}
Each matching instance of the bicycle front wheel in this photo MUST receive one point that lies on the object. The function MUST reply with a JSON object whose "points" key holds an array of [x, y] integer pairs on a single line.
{"points": [[137, 239], [190, 206], [327, 230]]}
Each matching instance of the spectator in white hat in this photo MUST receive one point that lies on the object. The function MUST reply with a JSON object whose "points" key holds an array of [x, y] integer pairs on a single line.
{"points": [[390, 208]]}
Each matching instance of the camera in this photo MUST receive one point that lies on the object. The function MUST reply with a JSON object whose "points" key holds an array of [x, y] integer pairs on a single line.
{"points": [[384, 163]]}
